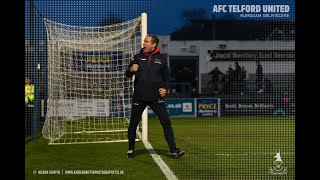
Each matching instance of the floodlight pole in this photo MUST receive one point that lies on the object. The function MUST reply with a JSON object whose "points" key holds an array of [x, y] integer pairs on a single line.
{"points": [[33, 44]]}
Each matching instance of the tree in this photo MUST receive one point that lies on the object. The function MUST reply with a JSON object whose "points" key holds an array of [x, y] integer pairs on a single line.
{"points": [[110, 19], [194, 14], [193, 24]]}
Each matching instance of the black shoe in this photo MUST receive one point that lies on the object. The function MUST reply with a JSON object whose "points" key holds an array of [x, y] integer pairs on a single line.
{"points": [[175, 153], [130, 154]]}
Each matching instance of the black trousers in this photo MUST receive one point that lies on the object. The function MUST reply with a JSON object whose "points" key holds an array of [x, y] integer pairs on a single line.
{"points": [[159, 107]]}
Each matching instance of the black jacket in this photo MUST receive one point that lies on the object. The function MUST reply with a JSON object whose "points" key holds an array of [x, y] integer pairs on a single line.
{"points": [[152, 74]]}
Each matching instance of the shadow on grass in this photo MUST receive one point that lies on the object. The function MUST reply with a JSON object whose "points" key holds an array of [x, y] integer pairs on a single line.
{"points": [[161, 152]]}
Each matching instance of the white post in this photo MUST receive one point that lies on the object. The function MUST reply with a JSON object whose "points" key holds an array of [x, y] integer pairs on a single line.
{"points": [[145, 112]]}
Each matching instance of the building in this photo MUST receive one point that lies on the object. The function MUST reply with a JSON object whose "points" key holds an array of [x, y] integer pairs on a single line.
{"points": [[191, 61]]}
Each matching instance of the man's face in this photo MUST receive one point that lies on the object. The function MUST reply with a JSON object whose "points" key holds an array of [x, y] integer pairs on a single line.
{"points": [[148, 45]]}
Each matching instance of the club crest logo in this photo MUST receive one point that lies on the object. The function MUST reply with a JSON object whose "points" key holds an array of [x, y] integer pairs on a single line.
{"points": [[278, 166], [158, 61]]}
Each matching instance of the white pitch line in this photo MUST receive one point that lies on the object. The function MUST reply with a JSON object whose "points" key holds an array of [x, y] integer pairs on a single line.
{"points": [[163, 166]]}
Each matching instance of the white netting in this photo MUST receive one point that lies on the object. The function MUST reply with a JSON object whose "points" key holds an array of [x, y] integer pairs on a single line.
{"points": [[88, 94]]}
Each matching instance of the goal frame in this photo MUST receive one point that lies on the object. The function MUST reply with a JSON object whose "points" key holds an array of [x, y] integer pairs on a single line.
{"points": [[144, 123]]}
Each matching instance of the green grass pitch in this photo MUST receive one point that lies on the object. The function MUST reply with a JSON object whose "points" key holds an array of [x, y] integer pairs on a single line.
{"points": [[216, 148]]}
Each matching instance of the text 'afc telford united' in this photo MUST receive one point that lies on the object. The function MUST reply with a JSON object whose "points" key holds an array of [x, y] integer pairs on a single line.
{"points": [[251, 8]]}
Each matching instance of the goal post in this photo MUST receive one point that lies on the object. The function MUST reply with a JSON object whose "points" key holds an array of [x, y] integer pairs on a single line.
{"points": [[144, 120], [89, 96]]}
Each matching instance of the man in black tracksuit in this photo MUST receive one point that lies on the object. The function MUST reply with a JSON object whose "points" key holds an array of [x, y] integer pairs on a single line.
{"points": [[150, 86]]}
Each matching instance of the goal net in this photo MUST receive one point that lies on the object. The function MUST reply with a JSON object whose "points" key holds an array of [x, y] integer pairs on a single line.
{"points": [[88, 93]]}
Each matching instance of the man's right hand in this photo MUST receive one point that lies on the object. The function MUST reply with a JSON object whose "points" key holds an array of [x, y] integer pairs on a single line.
{"points": [[134, 68]]}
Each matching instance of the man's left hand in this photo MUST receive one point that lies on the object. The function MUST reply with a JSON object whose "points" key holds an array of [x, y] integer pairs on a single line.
{"points": [[162, 92]]}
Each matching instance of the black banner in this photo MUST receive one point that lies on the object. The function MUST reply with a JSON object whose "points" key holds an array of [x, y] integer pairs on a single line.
{"points": [[251, 55]]}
